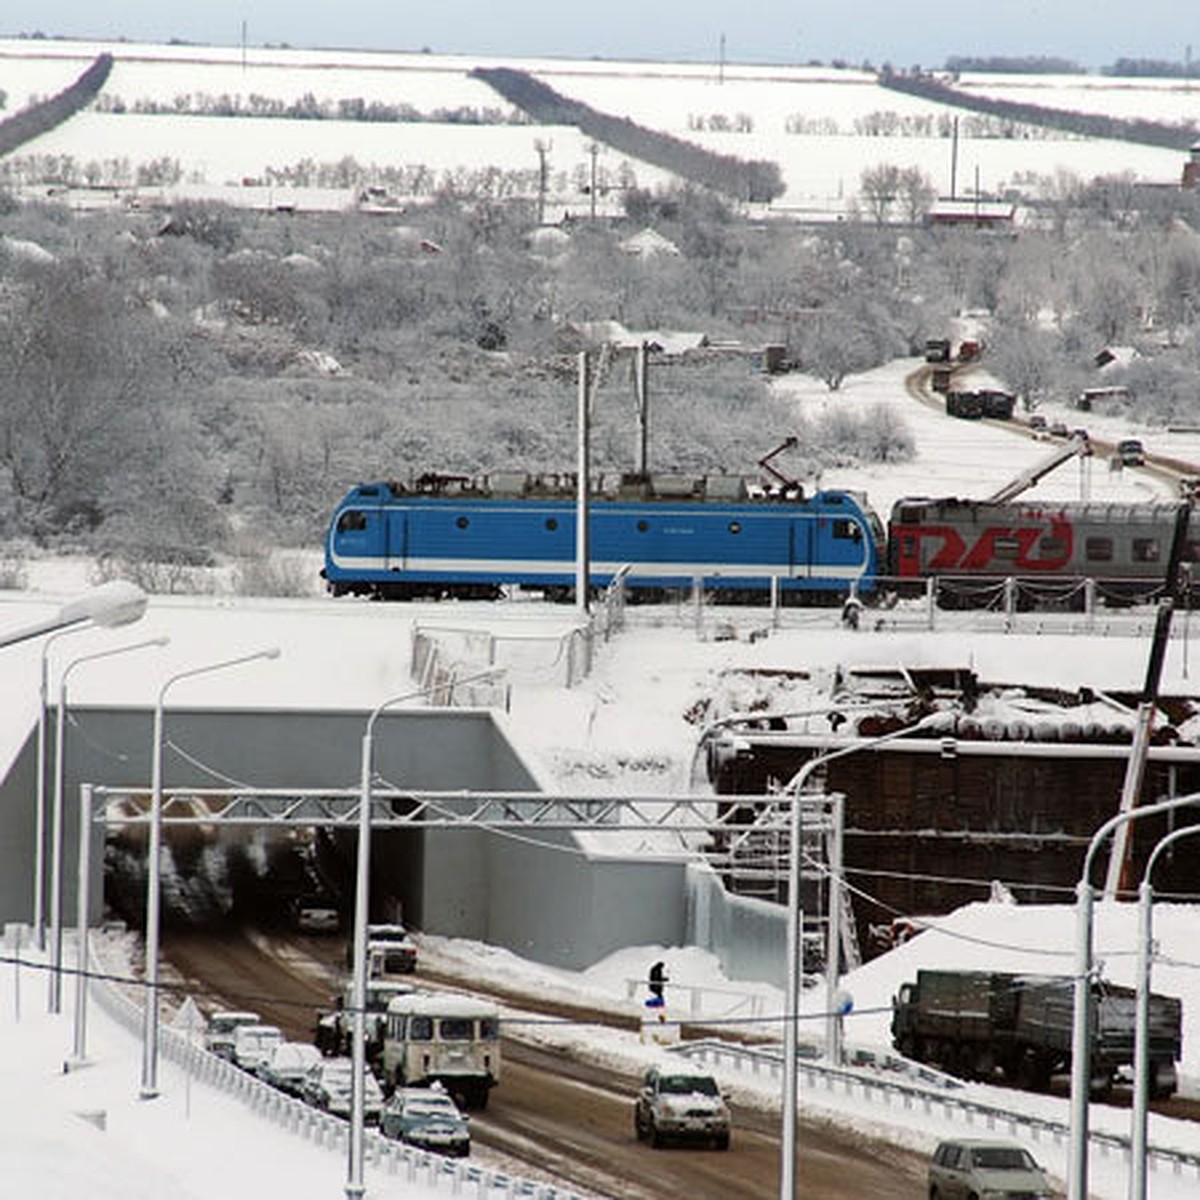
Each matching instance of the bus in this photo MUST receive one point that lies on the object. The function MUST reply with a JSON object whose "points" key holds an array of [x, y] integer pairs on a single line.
{"points": [[439, 1037]]}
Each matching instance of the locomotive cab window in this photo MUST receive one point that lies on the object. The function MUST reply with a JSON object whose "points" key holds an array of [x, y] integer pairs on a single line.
{"points": [[420, 1029], [1145, 550], [847, 530], [352, 521], [1098, 549]]}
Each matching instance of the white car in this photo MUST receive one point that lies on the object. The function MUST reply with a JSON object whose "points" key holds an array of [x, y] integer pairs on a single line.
{"points": [[681, 1106], [973, 1167], [288, 1065], [253, 1045], [218, 1037], [327, 1087]]}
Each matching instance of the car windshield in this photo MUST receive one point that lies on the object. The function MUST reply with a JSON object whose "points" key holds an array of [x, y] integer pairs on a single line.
{"points": [[687, 1085], [1002, 1158]]}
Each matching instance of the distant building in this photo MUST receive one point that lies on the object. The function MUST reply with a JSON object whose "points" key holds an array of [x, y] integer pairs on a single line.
{"points": [[1191, 168], [982, 214]]}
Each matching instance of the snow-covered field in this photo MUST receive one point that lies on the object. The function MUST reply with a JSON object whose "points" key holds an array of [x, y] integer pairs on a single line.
{"points": [[622, 726], [743, 111]]}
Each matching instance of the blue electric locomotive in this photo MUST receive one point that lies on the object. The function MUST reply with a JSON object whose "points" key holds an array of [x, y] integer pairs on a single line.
{"points": [[470, 538]]}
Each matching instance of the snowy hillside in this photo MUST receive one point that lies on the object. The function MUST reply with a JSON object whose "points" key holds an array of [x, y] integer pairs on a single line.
{"points": [[823, 126]]}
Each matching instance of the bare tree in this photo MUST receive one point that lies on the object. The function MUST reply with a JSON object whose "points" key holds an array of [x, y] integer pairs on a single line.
{"points": [[880, 187]]}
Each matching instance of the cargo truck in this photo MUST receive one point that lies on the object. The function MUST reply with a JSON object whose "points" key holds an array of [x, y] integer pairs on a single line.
{"points": [[980, 1024]]}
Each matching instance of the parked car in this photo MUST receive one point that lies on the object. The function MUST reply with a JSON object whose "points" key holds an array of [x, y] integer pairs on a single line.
{"points": [[681, 1106], [218, 1037], [288, 1065], [1059, 429], [327, 1087], [970, 1168], [1131, 452], [1039, 427], [253, 1045], [426, 1117]]}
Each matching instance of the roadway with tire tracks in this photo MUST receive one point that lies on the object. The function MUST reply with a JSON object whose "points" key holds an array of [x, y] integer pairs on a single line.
{"points": [[555, 1115]]}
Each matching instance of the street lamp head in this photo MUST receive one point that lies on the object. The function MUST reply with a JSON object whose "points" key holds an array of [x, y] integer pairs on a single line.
{"points": [[117, 602]]}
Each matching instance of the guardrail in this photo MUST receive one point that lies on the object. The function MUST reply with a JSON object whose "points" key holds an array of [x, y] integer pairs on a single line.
{"points": [[883, 1093], [998, 605], [322, 1129]]}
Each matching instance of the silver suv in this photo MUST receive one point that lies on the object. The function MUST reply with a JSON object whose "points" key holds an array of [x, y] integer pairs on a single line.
{"points": [[971, 1169], [680, 1106]]}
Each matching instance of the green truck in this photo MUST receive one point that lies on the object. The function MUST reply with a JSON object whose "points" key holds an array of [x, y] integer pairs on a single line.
{"points": [[985, 1024]]}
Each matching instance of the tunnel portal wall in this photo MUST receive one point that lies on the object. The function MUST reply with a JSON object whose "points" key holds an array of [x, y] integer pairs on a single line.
{"points": [[538, 895]]}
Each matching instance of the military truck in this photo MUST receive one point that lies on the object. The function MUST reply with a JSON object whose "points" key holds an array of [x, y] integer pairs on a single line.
{"points": [[980, 1024]]}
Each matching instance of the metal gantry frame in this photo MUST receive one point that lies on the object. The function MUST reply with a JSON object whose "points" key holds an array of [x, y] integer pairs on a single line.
{"points": [[403, 808], [367, 809]]}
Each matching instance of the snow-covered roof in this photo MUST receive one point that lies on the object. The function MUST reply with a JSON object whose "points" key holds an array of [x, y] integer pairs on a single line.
{"points": [[648, 243]]}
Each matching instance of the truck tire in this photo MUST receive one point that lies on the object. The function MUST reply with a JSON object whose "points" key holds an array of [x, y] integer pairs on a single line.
{"points": [[1032, 1071]]}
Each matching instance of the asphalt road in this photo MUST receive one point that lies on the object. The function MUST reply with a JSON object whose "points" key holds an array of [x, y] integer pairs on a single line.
{"points": [[565, 1118]]}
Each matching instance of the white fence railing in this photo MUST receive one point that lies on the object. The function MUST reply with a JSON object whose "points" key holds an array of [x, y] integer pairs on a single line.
{"points": [[454, 1176], [882, 1093], [469, 666]]}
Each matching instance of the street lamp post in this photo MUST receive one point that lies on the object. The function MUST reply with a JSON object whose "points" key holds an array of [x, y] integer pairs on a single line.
{"points": [[56, 821], [1141, 1037], [362, 879], [113, 604], [795, 956], [358, 986], [149, 1087], [39, 850], [1077, 1161]]}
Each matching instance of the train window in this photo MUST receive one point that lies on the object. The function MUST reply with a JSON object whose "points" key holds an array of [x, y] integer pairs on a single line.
{"points": [[551, 524], [735, 527], [1054, 547], [846, 529], [420, 1029], [456, 1029], [642, 526], [1145, 550], [489, 1028], [352, 521], [1006, 547], [1098, 549], [462, 522]]}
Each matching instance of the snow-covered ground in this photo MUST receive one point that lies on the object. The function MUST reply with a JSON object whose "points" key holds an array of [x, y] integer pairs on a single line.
{"points": [[744, 111], [625, 725]]}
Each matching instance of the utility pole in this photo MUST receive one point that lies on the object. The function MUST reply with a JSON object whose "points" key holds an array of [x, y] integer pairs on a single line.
{"points": [[593, 150], [642, 399], [543, 149], [582, 496], [954, 160]]}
